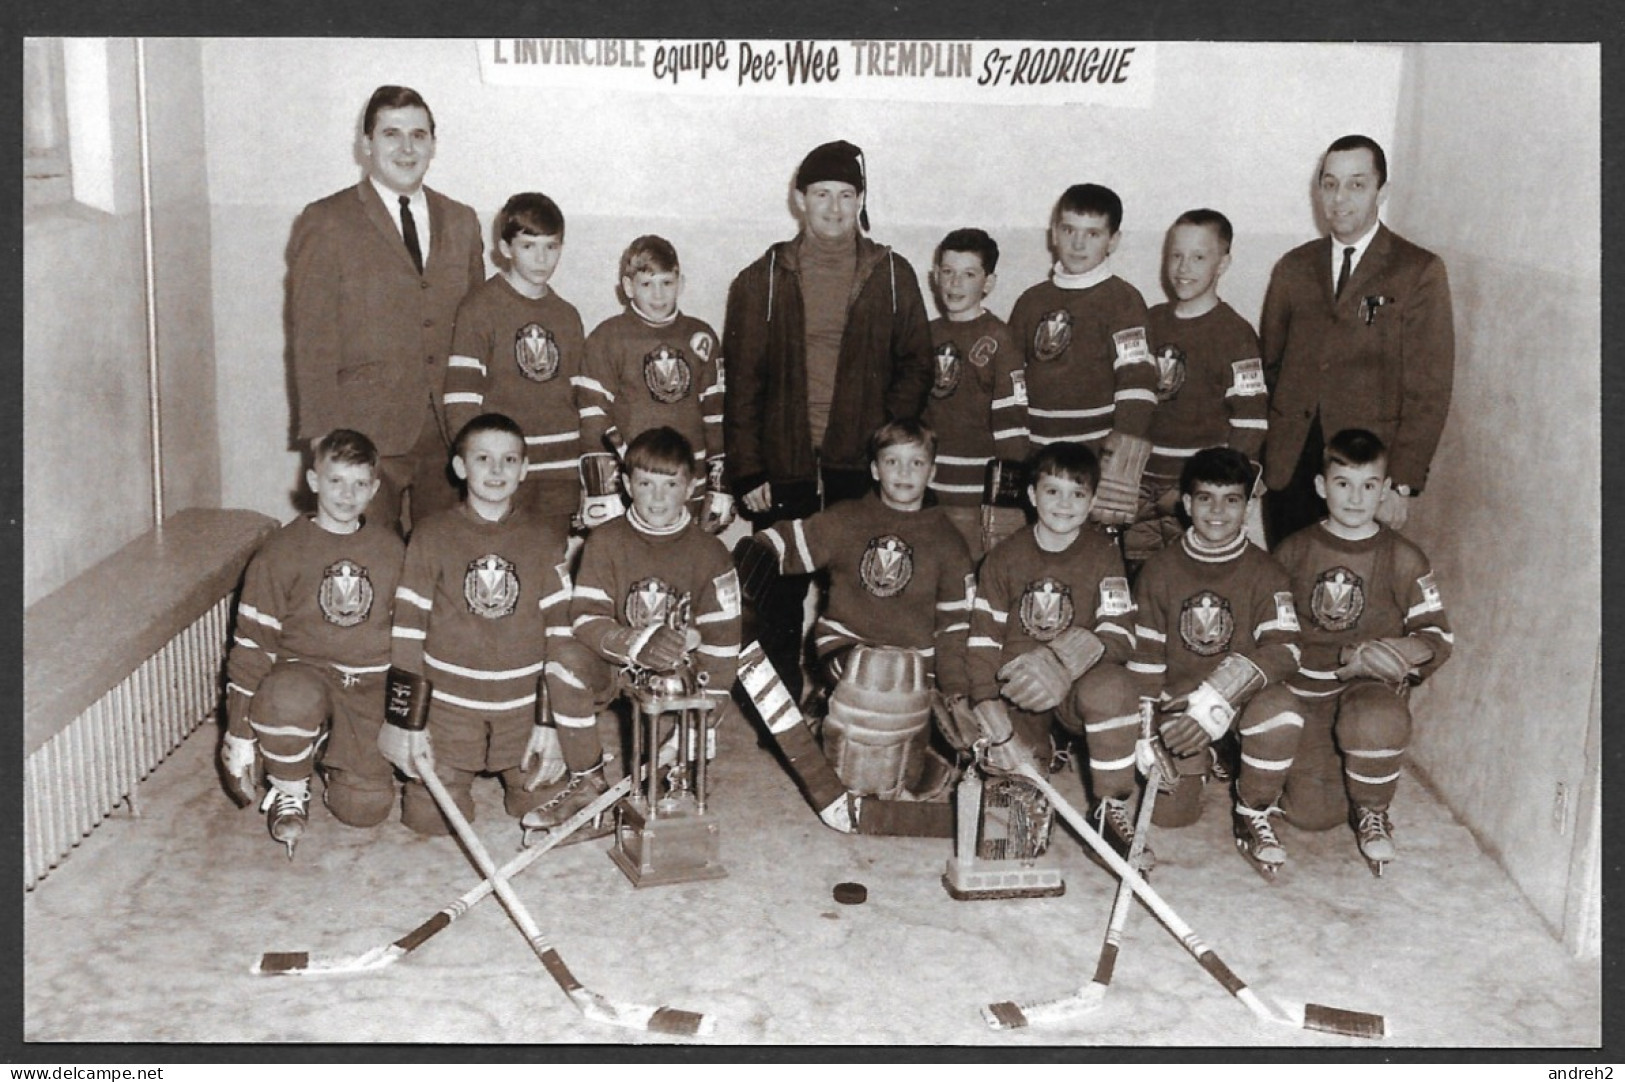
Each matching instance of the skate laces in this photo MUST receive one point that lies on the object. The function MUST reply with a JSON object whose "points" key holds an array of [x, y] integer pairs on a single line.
{"points": [[577, 780], [1258, 822], [1374, 824], [281, 803]]}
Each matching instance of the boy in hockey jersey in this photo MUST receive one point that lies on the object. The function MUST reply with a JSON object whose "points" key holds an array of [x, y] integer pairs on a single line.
{"points": [[1050, 632], [1090, 376], [517, 350], [311, 649], [1210, 381], [483, 599], [1216, 635], [899, 579], [654, 592], [653, 365], [1374, 626], [977, 405]]}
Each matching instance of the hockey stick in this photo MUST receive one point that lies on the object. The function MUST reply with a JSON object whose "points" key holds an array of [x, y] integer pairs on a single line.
{"points": [[1011, 1015], [593, 1006], [1302, 1015], [304, 964]]}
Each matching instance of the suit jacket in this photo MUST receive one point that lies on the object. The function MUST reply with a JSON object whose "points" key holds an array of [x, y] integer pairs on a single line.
{"points": [[367, 333], [1381, 357]]}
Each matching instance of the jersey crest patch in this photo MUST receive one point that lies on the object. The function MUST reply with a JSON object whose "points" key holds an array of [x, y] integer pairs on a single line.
{"points": [[655, 601], [1206, 624], [887, 566], [727, 587], [491, 587], [1132, 347], [1338, 599], [345, 596], [667, 375], [1430, 593], [1247, 377], [1046, 609], [536, 352], [983, 350], [1053, 335], [1115, 597], [1170, 372], [948, 363], [1286, 612]]}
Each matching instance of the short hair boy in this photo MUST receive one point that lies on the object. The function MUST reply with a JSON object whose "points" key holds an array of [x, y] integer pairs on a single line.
{"points": [[482, 601], [1051, 630], [1210, 380], [311, 648], [655, 592], [899, 589], [1374, 625], [976, 406], [1216, 635], [653, 365], [1089, 374], [517, 350]]}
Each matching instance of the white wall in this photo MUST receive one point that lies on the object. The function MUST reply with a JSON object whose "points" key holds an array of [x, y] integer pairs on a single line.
{"points": [[1233, 126]]}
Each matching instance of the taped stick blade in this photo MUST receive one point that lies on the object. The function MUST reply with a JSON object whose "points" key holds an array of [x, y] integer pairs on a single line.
{"points": [[1348, 1023], [598, 1008], [1049, 1012]]}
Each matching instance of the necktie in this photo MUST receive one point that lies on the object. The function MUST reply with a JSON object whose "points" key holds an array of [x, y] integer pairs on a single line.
{"points": [[1342, 275], [409, 230]]}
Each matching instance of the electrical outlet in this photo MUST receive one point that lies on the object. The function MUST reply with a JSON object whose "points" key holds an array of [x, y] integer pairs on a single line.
{"points": [[1560, 809]]}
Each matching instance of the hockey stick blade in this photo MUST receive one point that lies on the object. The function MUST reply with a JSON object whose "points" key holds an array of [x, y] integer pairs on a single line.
{"points": [[305, 964], [1092, 995], [1312, 1016], [593, 1006]]}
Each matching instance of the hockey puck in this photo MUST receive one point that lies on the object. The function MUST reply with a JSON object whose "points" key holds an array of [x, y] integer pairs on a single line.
{"points": [[851, 893]]}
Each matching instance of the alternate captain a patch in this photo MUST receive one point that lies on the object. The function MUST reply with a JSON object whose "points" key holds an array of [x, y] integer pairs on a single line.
{"points": [[887, 566], [1206, 624], [1053, 335], [667, 375], [1338, 599], [946, 369], [345, 596], [1046, 609], [536, 352], [1170, 372], [491, 587], [655, 601]]}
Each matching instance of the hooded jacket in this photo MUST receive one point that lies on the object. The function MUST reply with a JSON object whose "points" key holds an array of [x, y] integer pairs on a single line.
{"points": [[884, 371]]}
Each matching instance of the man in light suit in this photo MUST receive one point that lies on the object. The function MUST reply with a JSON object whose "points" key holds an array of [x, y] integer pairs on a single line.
{"points": [[375, 274], [1357, 332]]}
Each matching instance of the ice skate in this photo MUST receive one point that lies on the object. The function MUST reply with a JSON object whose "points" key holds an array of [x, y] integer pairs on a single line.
{"points": [[1255, 838], [1376, 836], [568, 797], [1116, 824], [287, 809]]}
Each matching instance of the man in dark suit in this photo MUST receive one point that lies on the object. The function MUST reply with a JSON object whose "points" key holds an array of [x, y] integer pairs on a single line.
{"points": [[1357, 332], [375, 274]]}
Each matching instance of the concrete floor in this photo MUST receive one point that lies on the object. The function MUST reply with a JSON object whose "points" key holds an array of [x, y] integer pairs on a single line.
{"points": [[148, 932]]}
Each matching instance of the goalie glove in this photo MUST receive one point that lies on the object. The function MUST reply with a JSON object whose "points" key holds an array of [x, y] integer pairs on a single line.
{"points": [[543, 748], [404, 736], [240, 760], [655, 647], [1204, 715], [1040, 678], [1393, 661], [956, 720], [993, 722], [1122, 461]]}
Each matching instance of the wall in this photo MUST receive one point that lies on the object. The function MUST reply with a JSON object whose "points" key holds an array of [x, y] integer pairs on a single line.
{"points": [[1500, 167], [86, 452], [714, 174]]}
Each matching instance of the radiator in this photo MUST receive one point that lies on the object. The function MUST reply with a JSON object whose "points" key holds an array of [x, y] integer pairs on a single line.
{"points": [[92, 765]]}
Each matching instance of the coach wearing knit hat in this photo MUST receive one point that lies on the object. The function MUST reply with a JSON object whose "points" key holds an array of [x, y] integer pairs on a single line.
{"points": [[826, 338]]}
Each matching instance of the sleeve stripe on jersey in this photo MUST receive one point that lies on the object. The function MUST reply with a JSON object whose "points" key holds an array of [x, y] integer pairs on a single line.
{"points": [[1150, 668], [259, 617], [983, 642], [1072, 414], [1135, 394], [592, 593], [712, 418], [962, 460], [1007, 402], [587, 383], [717, 617], [593, 411], [1150, 634], [718, 651], [1243, 422], [1422, 608], [412, 597], [239, 689], [556, 437], [1079, 437], [457, 360], [1019, 432], [937, 486], [556, 597], [1447, 636], [416, 633], [462, 398], [245, 641]]}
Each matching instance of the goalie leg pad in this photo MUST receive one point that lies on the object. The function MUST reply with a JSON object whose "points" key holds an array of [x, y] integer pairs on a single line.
{"points": [[879, 720], [288, 714]]}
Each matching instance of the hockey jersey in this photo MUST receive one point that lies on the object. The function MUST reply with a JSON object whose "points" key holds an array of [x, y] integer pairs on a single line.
{"points": [[1210, 387], [977, 406], [638, 375], [315, 596], [1026, 596]]}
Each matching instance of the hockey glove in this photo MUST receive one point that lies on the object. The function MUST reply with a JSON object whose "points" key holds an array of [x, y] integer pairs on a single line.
{"points": [[1393, 661], [656, 647], [719, 512], [1036, 681], [1122, 461], [993, 721], [404, 736], [1206, 713], [956, 721], [239, 759], [543, 748]]}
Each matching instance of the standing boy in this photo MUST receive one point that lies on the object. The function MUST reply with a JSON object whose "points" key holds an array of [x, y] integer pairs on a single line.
{"points": [[1217, 632], [311, 649], [482, 600], [1090, 376], [517, 351], [1374, 626], [978, 405], [1210, 381], [653, 366]]}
